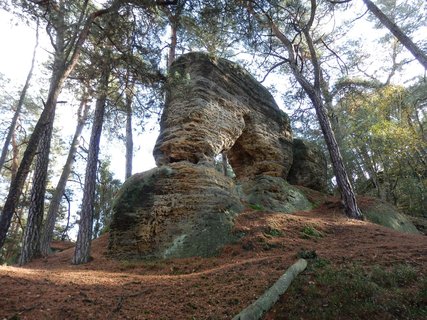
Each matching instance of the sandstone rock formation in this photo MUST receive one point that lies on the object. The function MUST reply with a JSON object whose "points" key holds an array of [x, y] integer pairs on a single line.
{"points": [[308, 167], [185, 207], [213, 106], [178, 210]]}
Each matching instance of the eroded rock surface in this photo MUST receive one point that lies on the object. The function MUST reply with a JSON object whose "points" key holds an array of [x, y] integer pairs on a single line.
{"points": [[178, 210], [309, 166], [213, 106]]}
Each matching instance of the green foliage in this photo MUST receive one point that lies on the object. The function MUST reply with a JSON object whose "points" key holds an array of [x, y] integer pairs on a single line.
{"points": [[272, 232], [328, 292], [256, 206], [384, 138], [106, 189], [309, 232]]}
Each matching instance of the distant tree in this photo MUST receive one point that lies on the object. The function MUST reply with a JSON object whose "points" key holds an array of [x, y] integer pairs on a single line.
{"points": [[106, 189]]}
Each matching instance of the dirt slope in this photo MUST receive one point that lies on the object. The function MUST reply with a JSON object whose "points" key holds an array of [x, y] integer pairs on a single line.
{"points": [[208, 288]]}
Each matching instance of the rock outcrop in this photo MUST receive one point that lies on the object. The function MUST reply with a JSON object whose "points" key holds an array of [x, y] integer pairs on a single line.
{"points": [[309, 166], [178, 210], [213, 106], [185, 207]]}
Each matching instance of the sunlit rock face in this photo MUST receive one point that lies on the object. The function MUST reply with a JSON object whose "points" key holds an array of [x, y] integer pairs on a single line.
{"points": [[308, 167], [185, 207], [213, 106]]}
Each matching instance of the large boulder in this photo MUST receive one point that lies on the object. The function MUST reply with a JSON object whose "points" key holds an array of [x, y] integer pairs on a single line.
{"points": [[385, 214], [177, 210], [308, 167]]}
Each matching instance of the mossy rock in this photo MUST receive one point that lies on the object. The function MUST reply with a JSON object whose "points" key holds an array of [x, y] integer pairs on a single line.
{"points": [[386, 215], [273, 194]]}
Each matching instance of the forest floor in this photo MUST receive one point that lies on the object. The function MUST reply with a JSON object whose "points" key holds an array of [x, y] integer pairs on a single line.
{"points": [[356, 270]]}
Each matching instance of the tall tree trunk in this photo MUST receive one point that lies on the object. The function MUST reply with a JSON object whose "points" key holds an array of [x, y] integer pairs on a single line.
{"points": [[52, 213], [84, 237], [20, 103], [398, 33], [224, 162], [27, 159], [31, 241], [129, 134], [347, 193]]}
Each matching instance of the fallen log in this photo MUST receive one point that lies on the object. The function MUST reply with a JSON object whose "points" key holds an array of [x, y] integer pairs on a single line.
{"points": [[269, 298]]}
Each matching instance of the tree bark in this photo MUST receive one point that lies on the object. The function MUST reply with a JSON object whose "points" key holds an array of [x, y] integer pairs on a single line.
{"points": [[20, 103], [84, 237], [30, 244], [397, 32], [224, 162], [129, 134], [52, 213], [264, 303]]}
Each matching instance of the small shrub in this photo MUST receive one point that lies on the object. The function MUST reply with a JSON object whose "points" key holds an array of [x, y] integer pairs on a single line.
{"points": [[309, 232], [307, 254], [256, 206], [272, 232]]}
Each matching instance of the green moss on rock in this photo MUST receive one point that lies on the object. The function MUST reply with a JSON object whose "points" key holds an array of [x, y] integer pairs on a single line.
{"points": [[273, 194], [386, 215]]}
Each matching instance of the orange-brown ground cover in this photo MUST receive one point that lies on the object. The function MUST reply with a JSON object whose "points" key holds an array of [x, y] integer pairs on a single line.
{"points": [[198, 288]]}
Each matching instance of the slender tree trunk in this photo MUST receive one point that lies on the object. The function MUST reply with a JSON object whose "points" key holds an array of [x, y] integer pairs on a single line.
{"points": [[27, 159], [67, 226], [20, 103], [52, 213], [347, 193], [129, 134], [398, 33], [15, 157], [31, 241], [84, 237]]}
